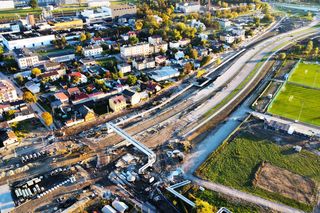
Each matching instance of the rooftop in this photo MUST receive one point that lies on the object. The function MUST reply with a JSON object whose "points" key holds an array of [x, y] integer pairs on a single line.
{"points": [[22, 53]]}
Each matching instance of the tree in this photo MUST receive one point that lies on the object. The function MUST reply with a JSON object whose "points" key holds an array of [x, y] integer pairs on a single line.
{"points": [[132, 80], [78, 49], [47, 118], [187, 68], [35, 71], [193, 54], [120, 74], [29, 97], [218, 61], [83, 37], [19, 79], [200, 73], [257, 21], [88, 36], [1, 52], [204, 207], [133, 40], [139, 25], [205, 60], [33, 4], [282, 56]]}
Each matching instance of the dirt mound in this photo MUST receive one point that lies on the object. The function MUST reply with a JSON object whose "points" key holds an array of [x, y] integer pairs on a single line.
{"points": [[286, 183]]}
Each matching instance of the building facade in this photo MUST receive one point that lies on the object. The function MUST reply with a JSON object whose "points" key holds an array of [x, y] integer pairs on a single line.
{"points": [[141, 49], [25, 58], [92, 51], [7, 92]]}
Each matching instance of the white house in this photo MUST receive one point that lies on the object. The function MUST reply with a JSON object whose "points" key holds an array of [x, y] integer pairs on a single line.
{"points": [[92, 51], [197, 24], [179, 55], [25, 58], [124, 68], [141, 49]]}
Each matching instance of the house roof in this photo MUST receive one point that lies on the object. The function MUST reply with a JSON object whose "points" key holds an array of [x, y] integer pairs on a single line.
{"points": [[118, 99], [73, 90], [80, 96], [61, 96], [49, 74], [128, 93], [75, 74]]}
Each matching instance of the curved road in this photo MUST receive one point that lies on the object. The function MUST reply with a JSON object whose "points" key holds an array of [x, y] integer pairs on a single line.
{"points": [[240, 70]]}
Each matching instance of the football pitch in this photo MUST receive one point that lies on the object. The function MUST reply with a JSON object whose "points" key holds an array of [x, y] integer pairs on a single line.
{"points": [[300, 102], [306, 74]]}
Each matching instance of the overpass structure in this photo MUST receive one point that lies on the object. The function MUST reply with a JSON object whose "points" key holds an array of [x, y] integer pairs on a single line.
{"points": [[150, 154], [177, 194]]}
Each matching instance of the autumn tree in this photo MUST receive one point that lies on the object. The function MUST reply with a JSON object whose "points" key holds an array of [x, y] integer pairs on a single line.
{"points": [[132, 80], [282, 56], [83, 37], [35, 71], [29, 97], [47, 118]]}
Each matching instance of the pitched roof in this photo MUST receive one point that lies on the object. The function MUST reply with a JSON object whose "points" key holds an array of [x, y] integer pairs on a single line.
{"points": [[61, 96], [73, 90]]}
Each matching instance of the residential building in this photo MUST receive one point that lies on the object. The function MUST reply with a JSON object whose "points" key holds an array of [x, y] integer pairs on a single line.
{"points": [[87, 113], [197, 24], [124, 67], [141, 49], [160, 59], [26, 40], [50, 76], [132, 97], [108, 209], [7, 4], [92, 51], [80, 98], [179, 55], [164, 73], [72, 91], [51, 65], [120, 10], [159, 47], [174, 44], [8, 92], [77, 78], [62, 56], [227, 38], [225, 23], [117, 103], [25, 58], [184, 42], [32, 87], [144, 63], [63, 98], [188, 7], [156, 39], [7, 138]]}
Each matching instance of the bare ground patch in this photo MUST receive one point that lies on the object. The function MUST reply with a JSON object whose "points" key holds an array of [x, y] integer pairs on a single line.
{"points": [[286, 183]]}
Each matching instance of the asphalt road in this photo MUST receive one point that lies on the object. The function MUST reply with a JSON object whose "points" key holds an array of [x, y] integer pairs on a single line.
{"points": [[242, 68]]}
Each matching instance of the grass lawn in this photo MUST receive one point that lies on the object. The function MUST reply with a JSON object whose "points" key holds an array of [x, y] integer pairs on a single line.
{"points": [[235, 163], [293, 100], [21, 12], [306, 74]]}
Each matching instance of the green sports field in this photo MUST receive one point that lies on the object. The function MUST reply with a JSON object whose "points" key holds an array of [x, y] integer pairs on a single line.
{"points": [[299, 98], [306, 74], [297, 103]]}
